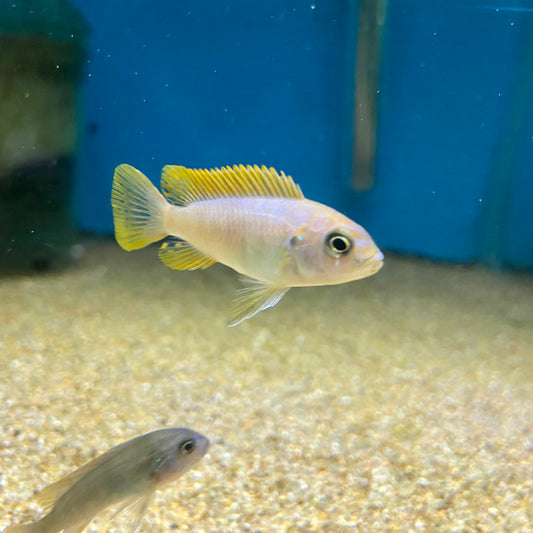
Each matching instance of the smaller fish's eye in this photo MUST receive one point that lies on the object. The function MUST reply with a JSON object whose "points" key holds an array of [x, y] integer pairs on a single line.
{"points": [[338, 244], [187, 446]]}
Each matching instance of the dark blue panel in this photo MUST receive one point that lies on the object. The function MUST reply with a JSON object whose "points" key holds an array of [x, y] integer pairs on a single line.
{"points": [[517, 230], [205, 83], [447, 86], [446, 89]]}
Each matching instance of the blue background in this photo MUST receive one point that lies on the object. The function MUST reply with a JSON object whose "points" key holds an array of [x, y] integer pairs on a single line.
{"points": [[207, 83]]}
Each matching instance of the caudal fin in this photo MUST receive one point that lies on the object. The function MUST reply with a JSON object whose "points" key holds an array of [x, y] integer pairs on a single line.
{"points": [[138, 209]]}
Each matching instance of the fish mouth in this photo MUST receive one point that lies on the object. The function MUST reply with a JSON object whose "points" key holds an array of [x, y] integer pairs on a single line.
{"points": [[377, 261]]}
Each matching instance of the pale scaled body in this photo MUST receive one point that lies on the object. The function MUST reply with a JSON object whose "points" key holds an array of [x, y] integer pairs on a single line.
{"points": [[258, 237]]}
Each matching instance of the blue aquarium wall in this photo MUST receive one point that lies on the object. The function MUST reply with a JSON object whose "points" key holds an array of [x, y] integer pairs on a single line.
{"points": [[208, 83], [454, 174]]}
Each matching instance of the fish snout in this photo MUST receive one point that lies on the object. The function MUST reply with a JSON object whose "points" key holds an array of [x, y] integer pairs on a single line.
{"points": [[202, 444], [370, 259], [373, 263], [377, 261]]}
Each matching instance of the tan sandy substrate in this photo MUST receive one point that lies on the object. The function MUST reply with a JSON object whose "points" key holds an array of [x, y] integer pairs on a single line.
{"points": [[403, 402]]}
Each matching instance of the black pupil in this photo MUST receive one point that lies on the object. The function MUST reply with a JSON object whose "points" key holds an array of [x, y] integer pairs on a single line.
{"points": [[187, 446], [339, 244]]}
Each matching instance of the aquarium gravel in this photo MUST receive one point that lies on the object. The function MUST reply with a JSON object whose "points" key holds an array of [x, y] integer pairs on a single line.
{"points": [[402, 402]]}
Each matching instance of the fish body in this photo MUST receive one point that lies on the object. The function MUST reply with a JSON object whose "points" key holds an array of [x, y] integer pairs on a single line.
{"points": [[129, 473], [251, 219], [275, 240]]}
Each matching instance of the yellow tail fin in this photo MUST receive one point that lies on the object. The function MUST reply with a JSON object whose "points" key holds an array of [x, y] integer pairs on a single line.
{"points": [[138, 209]]}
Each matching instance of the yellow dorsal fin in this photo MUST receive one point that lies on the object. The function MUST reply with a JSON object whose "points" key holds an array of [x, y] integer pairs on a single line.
{"points": [[183, 186]]}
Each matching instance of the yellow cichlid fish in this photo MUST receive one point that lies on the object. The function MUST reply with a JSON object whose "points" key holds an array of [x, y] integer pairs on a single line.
{"points": [[252, 219], [129, 474]]}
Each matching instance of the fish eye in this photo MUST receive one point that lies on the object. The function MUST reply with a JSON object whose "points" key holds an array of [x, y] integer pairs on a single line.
{"points": [[187, 446], [338, 245]]}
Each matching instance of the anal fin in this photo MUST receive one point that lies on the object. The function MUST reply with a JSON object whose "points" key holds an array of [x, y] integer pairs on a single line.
{"points": [[254, 297], [180, 255], [77, 528]]}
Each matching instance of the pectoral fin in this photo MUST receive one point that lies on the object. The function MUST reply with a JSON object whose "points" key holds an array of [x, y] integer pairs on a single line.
{"points": [[254, 297], [135, 507], [138, 509]]}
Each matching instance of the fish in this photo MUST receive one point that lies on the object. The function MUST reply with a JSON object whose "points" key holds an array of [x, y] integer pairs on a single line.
{"points": [[250, 218], [128, 474]]}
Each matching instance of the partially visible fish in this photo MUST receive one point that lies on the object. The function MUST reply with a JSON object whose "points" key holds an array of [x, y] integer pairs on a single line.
{"points": [[129, 473], [252, 219]]}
